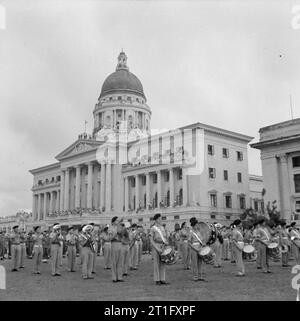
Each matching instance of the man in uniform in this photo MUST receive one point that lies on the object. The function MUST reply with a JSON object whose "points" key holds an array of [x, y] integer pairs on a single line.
{"points": [[29, 241], [217, 247], [37, 251], [125, 247], [284, 242], [256, 245], [106, 245], [115, 235], [238, 244], [14, 238], [295, 238], [95, 237], [225, 247], [71, 248], [140, 243], [158, 238], [263, 237], [2, 245], [87, 251], [134, 247], [185, 249], [55, 240], [22, 249]]}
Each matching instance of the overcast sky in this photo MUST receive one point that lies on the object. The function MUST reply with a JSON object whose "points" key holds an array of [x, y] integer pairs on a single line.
{"points": [[226, 64]]}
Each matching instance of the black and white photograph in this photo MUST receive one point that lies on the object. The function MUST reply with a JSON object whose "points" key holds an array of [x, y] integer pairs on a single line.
{"points": [[150, 153]]}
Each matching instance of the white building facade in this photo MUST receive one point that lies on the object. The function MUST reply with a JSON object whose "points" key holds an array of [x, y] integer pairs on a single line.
{"points": [[121, 169]]}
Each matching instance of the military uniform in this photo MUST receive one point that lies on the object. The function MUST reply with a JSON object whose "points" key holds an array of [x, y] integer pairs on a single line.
{"points": [[295, 247], [14, 238], [71, 239], [263, 237], [55, 241], [106, 245], [134, 248], [117, 259], [238, 240], [95, 240], [2, 245], [87, 254], [185, 249], [158, 239], [284, 242], [195, 243], [125, 249], [37, 239], [225, 246], [22, 249]]}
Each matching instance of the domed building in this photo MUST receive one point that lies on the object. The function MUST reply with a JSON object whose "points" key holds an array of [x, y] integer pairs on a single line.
{"points": [[121, 169]]}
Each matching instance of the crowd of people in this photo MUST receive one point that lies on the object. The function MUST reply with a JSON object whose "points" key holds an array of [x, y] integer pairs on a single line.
{"points": [[122, 245]]}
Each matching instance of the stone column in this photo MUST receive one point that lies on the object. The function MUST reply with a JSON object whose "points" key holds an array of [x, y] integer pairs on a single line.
{"points": [[137, 192], [102, 186], [51, 201], [57, 207], [45, 205], [147, 189], [39, 210], [184, 187], [285, 190], [89, 200], [158, 187], [66, 191], [171, 186], [77, 187], [34, 209], [108, 188], [126, 194], [62, 189]]}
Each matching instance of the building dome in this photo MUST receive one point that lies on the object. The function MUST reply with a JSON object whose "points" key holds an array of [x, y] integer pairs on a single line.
{"points": [[122, 80]]}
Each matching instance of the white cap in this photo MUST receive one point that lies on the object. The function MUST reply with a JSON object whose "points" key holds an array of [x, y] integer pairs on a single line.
{"points": [[87, 227]]}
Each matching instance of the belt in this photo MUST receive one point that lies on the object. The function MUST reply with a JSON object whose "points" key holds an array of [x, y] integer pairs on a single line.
{"points": [[37, 245], [116, 241], [285, 238], [71, 244], [196, 243], [55, 243], [15, 243], [226, 239], [185, 240]]}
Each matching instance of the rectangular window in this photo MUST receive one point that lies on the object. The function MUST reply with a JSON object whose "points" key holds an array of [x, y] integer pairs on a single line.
{"points": [[143, 180], [212, 216], [242, 203], [210, 149], [179, 174], [140, 220], [255, 206], [297, 183], [239, 177], [297, 207], [228, 202], [239, 156], [176, 217], [167, 176], [227, 217], [155, 178], [212, 172], [163, 218], [133, 182], [225, 175], [225, 152], [296, 161], [213, 200]]}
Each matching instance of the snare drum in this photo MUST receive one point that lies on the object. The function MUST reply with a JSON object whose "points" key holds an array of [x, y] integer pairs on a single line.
{"points": [[207, 254], [249, 249], [208, 233], [274, 251], [168, 256]]}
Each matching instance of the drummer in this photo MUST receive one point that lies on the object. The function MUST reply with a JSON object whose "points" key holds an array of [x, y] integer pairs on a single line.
{"points": [[295, 237], [158, 238], [237, 246], [185, 249], [284, 243], [196, 242], [263, 238]]}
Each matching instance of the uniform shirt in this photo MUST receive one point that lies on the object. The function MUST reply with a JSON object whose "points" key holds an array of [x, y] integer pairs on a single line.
{"points": [[104, 237], [263, 234], [55, 238], [156, 235], [114, 233], [237, 235], [71, 239], [192, 238], [184, 234], [15, 238], [22, 238], [125, 238], [37, 239], [284, 237]]}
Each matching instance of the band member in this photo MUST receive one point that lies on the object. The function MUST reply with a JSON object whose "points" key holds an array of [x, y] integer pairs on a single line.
{"points": [[2, 245], [125, 240], [232, 252], [29, 244], [87, 252], [195, 242], [256, 245], [106, 245], [176, 239], [238, 242], [284, 243], [55, 241], [158, 238], [263, 238], [14, 238], [217, 247], [133, 246], [225, 247], [295, 238], [185, 249], [22, 249], [115, 235], [37, 251], [95, 240], [71, 239], [140, 243]]}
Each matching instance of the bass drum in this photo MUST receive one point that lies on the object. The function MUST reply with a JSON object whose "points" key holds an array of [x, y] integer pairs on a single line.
{"points": [[208, 232], [274, 251], [207, 255]]}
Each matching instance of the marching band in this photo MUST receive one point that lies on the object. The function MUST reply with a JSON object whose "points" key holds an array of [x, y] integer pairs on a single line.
{"points": [[122, 245]]}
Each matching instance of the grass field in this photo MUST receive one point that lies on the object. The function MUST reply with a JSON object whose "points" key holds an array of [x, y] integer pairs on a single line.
{"points": [[222, 284]]}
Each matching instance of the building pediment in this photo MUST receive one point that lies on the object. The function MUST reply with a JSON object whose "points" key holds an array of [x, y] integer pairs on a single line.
{"points": [[78, 147]]}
